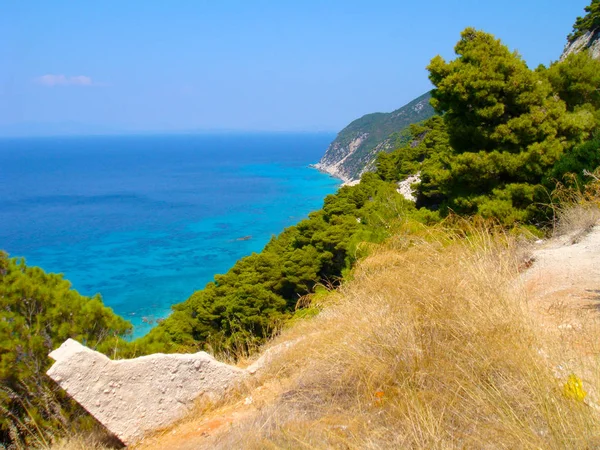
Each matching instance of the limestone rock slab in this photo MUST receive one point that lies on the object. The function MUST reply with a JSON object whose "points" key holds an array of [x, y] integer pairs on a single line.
{"points": [[134, 396]]}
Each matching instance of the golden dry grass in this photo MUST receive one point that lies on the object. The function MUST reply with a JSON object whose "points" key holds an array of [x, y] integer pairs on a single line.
{"points": [[578, 210], [429, 346], [577, 220], [89, 441]]}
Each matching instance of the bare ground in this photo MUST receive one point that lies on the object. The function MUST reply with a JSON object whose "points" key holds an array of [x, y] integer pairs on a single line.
{"points": [[563, 291], [563, 284]]}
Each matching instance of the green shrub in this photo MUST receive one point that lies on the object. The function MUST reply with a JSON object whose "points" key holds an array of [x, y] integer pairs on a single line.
{"points": [[38, 312]]}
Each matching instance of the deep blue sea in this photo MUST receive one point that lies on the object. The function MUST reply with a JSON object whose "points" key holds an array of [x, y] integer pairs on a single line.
{"points": [[147, 220]]}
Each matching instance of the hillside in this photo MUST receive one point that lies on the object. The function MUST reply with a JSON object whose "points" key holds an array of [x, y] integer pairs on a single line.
{"points": [[402, 324], [456, 346], [353, 150], [437, 341]]}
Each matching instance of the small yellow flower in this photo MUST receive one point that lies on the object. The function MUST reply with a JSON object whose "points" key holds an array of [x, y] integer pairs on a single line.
{"points": [[573, 388]]}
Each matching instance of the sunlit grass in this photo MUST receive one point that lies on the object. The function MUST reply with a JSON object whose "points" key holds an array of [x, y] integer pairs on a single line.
{"points": [[429, 346]]}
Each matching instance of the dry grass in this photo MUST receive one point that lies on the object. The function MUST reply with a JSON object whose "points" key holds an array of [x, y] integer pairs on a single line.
{"points": [[428, 347], [431, 345], [578, 211], [98, 439], [577, 220], [83, 442]]}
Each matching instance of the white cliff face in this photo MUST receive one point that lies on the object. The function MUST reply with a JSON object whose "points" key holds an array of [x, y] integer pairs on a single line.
{"points": [[589, 41], [335, 156], [355, 148]]}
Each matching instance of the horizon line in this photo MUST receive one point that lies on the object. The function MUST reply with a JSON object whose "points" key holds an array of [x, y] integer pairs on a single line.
{"points": [[160, 133]]}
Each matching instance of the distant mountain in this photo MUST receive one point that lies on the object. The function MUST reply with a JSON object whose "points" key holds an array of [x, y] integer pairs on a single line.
{"points": [[353, 151]]}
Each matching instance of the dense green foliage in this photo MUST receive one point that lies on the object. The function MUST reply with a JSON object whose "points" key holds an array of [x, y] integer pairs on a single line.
{"points": [[38, 312], [492, 101], [428, 138], [247, 303], [576, 81], [589, 22], [506, 130], [569, 169], [504, 127]]}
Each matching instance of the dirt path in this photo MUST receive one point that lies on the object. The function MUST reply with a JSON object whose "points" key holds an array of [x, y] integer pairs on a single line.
{"points": [[563, 291], [564, 281], [196, 434]]}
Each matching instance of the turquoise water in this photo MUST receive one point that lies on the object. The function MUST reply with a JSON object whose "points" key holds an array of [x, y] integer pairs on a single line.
{"points": [[145, 221]]}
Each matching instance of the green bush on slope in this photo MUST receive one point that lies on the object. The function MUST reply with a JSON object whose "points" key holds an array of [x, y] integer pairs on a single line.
{"points": [[502, 130], [569, 169], [38, 312], [429, 147], [505, 126], [575, 80]]}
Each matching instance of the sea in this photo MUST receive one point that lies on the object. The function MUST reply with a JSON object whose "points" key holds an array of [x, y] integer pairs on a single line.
{"points": [[146, 220]]}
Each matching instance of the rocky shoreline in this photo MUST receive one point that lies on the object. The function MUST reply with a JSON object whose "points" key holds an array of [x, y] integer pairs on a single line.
{"points": [[334, 171]]}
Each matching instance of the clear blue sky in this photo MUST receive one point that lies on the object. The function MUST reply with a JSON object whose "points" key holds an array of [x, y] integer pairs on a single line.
{"points": [[106, 66]]}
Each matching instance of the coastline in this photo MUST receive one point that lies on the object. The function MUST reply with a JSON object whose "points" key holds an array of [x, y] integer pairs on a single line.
{"points": [[165, 233], [333, 172]]}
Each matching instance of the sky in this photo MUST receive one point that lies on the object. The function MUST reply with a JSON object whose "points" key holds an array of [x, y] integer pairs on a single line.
{"points": [[154, 66]]}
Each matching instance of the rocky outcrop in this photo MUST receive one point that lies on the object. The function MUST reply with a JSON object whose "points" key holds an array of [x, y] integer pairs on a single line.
{"points": [[405, 187], [134, 396], [354, 149], [589, 41], [334, 161]]}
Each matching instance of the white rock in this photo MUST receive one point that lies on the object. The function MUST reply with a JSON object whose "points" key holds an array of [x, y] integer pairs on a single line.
{"points": [[588, 41], [134, 396], [335, 157], [405, 189]]}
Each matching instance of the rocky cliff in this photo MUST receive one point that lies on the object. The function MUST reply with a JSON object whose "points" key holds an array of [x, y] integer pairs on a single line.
{"points": [[590, 40], [353, 151]]}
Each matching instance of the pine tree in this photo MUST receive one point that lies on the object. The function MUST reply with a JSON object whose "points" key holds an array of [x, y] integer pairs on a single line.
{"points": [[505, 126], [38, 312]]}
